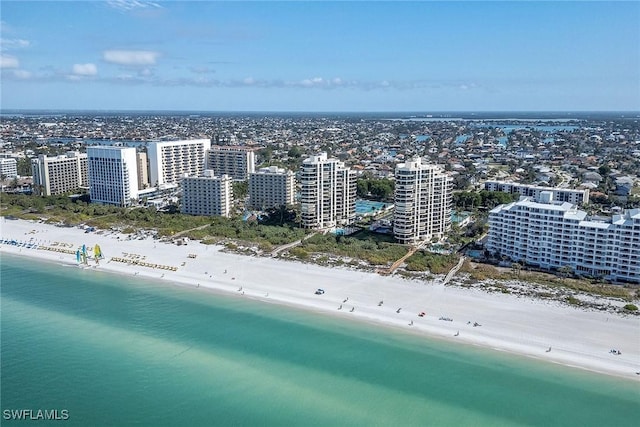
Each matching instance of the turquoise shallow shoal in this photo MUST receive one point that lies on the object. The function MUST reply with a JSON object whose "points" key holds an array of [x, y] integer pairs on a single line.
{"points": [[119, 351]]}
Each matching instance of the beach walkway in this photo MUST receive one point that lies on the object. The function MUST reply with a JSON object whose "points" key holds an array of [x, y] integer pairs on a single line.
{"points": [[453, 271], [187, 231], [276, 251], [390, 270]]}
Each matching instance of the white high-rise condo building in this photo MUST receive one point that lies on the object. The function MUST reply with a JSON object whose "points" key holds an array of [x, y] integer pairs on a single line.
{"points": [[327, 193], [60, 174], [576, 197], [9, 167], [551, 235], [207, 195], [271, 187], [422, 202], [113, 175], [236, 161], [170, 161]]}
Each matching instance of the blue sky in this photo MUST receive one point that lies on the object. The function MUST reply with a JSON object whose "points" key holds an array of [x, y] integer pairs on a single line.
{"points": [[320, 56]]}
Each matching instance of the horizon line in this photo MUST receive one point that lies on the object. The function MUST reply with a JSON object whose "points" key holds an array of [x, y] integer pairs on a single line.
{"points": [[4, 110]]}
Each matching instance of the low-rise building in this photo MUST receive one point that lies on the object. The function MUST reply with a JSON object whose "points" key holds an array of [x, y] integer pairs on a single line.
{"points": [[576, 197]]}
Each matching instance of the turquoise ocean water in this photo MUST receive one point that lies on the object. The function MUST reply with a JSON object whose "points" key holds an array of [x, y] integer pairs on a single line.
{"points": [[114, 351]]}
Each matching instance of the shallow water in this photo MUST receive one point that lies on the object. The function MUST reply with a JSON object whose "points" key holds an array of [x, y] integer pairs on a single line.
{"points": [[114, 350]]}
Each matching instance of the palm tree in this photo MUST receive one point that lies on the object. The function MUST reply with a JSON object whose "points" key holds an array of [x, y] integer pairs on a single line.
{"points": [[516, 268]]}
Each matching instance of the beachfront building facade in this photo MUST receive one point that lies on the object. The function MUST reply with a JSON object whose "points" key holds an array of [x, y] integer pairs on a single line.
{"points": [[60, 174], [422, 202], [207, 195], [143, 170], [327, 193], [9, 167], [113, 175], [236, 161], [550, 235], [575, 197], [271, 187], [170, 161]]}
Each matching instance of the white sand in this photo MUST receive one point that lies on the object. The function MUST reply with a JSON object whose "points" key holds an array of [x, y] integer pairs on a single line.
{"points": [[524, 326]]}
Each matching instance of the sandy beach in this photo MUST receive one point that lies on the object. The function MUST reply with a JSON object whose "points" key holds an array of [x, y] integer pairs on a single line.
{"points": [[543, 330]]}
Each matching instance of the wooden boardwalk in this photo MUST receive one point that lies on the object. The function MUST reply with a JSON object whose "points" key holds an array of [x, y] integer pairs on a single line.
{"points": [[390, 270]]}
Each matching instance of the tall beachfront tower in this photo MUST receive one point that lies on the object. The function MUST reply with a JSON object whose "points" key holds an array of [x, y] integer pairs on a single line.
{"points": [[169, 161], [327, 193], [113, 175], [60, 174], [143, 170], [207, 195], [235, 161], [422, 202], [271, 187]]}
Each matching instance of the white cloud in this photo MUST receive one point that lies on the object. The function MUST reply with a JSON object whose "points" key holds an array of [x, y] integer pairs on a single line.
{"points": [[130, 57], [249, 81], [7, 44], [314, 82], [85, 69], [4, 27], [127, 5], [7, 61], [22, 74], [146, 72]]}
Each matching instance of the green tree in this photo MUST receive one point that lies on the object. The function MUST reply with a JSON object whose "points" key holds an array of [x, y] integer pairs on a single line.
{"points": [[240, 189], [24, 166], [294, 152], [362, 187], [604, 170]]}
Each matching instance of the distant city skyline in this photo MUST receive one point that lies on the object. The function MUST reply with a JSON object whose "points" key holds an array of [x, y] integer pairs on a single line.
{"points": [[320, 56]]}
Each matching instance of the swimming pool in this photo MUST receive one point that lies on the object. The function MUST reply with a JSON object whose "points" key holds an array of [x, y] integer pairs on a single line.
{"points": [[369, 206]]}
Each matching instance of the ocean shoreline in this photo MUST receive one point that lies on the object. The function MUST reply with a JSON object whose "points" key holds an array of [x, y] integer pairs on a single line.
{"points": [[510, 324]]}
